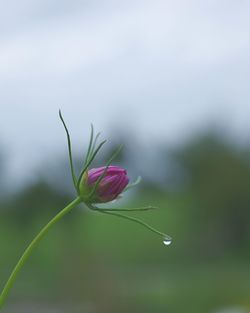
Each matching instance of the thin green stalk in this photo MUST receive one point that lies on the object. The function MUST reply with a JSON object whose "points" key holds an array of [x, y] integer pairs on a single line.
{"points": [[146, 208], [30, 248], [133, 219]]}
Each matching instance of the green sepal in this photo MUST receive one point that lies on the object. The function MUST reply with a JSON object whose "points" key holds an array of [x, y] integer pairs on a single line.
{"points": [[84, 189]]}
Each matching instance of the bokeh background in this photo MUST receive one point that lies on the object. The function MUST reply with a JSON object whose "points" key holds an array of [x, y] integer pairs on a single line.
{"points": [[169, 80]]}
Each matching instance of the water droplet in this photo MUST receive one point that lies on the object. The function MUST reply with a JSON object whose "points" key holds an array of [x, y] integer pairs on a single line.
{"points": [[167, 241]]}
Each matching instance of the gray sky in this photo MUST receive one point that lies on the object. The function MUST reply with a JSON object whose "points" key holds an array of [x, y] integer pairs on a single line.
{"points": [[159, 68]]}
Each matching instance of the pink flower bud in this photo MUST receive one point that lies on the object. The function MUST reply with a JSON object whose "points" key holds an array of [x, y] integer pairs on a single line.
{"points": [[110, 186]]}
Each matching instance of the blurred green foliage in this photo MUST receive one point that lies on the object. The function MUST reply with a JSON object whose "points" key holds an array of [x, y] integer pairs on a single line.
{"points": [[95, 263]]}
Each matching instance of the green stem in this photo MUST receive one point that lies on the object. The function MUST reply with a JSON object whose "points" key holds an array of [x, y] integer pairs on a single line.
{"points": [[30, 248]]}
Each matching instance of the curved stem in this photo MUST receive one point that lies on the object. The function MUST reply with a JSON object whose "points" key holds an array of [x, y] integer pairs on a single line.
{"points": [[31, 246]]}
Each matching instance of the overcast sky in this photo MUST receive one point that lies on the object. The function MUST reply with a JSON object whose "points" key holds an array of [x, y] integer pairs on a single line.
{"points": [[159, 68]]}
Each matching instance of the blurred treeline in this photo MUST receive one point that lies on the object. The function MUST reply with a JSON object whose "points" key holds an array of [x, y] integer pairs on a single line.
{"points": [[102, 264]]}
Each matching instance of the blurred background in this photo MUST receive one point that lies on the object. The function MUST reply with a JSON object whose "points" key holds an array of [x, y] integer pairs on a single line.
{"points": [[169, 80]]}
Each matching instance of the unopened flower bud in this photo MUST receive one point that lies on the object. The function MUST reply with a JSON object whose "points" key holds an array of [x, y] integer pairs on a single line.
{"points": [[110, 186]]}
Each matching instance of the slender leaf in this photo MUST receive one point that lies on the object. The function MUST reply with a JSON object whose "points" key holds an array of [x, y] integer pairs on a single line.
{"points": [[88, 163], [94, 143], [90, 144], [146, 208], [69, 150], [135, 220]]}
